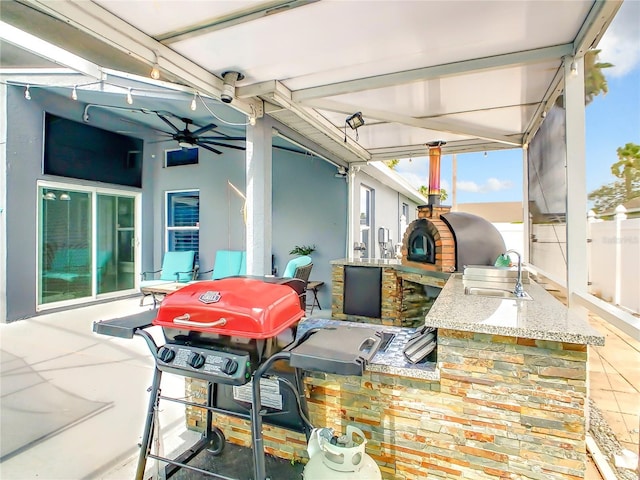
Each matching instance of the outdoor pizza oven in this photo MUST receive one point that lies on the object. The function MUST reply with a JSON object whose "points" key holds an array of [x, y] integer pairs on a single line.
{"points": [[445, 241]]}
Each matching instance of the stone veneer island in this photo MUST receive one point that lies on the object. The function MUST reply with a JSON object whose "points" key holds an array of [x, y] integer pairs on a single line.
{"points": [[505, 398]]}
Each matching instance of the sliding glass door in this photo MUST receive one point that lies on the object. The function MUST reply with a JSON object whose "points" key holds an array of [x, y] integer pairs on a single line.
{"points": [[86, 243]]}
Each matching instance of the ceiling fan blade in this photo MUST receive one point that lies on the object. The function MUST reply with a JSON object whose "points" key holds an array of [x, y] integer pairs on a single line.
{"points": [[166, 120], [204, 143], [206, 128], [223, 138], [207, 147]]}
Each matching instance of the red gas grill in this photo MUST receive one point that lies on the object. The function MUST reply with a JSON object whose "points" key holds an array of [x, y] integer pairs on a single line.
{"points": [[222, 330], [229, 332]]}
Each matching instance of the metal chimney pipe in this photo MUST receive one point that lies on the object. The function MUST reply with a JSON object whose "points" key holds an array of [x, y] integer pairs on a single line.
{"points": [[435, 151]]}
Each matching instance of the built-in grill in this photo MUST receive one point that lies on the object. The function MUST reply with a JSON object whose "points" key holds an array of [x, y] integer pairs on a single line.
{"points": [[445, 241]]}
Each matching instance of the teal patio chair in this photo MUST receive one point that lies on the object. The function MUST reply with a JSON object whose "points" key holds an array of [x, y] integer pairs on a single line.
{"points": [[228, 263], [176, 267]]}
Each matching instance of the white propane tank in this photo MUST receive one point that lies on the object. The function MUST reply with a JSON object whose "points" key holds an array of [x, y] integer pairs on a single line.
{"points": [[345, 460]]}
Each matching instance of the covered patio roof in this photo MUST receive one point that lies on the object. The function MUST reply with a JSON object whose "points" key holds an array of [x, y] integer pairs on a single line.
{"points": [[478, 75]]}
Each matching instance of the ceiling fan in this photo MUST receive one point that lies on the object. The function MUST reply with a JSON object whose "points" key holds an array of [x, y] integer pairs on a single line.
{"points": [[191, 138]]}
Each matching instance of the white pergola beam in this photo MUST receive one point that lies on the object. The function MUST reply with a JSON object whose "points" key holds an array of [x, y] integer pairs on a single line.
{"points": [[436, 71], [276, 93], [44, 49], [427, 123], [101, 24]]}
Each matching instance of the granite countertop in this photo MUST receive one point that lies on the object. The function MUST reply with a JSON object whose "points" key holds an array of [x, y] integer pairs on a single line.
{"points": [[388, 262], [366, 262], [391, 360], [542, 318]]}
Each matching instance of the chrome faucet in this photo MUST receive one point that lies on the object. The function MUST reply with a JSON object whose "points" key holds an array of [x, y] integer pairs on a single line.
{"points": [[518, 290]]}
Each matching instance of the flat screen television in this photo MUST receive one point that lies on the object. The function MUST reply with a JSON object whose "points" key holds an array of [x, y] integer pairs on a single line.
{"points": [[77, 150]]}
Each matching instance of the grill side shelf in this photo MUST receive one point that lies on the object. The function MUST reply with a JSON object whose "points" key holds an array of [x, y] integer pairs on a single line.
{"points": [[125, 327], [340, 350]]}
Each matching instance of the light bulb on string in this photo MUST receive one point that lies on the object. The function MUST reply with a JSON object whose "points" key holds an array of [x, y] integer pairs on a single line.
{"points": [[74, 93], [155, 71], [193, 102], [252, 121], [27, 93], [129, 97]]}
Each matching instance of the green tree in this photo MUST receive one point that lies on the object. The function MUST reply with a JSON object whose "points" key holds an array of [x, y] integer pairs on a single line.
{"points": [[392, 163], [627, 169], [627, 166], [595, 82], [424, 190]]}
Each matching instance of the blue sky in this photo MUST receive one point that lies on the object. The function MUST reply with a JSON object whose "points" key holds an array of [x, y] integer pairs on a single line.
{"points": [[611, 121]]}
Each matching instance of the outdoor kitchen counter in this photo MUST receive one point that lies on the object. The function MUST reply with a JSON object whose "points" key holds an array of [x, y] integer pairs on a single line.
{"points": [[542, 318]]}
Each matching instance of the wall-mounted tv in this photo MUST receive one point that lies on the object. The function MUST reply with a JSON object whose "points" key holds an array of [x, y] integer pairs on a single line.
{"points": [[77, 150], [181, 156]]}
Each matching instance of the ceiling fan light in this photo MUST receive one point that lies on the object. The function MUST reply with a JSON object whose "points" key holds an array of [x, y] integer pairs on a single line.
{"points": [[185, 144]]}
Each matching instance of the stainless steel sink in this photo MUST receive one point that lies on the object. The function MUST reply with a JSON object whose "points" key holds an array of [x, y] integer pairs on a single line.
{"points": [[495, 292]]}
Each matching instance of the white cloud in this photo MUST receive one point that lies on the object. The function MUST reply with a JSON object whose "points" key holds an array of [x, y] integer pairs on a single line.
{"points": [[415, 180], [491, 185], [620, 44]]}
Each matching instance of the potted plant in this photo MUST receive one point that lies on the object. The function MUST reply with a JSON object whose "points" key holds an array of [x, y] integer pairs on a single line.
{"points": [[303, 250]]}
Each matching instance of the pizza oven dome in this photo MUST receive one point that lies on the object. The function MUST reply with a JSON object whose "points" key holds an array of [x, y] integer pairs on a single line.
{"points": [[445, 241]]}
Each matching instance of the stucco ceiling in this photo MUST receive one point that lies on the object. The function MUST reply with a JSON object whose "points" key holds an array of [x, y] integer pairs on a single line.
{"points": [[478, 75]]}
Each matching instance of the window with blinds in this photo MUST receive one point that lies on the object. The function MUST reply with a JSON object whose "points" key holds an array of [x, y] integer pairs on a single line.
{"points": [[183, 221]]}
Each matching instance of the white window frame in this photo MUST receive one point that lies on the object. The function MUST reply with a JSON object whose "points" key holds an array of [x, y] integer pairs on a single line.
{"points": [[167, 228]]}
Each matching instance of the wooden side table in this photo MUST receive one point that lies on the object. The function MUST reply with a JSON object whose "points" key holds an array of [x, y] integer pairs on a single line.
{"points": [[313, 286]]}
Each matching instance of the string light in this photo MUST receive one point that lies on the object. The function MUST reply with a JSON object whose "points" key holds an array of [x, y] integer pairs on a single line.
{"points": [[155, 71], [193, 102], [485, 154], [253, 116]]}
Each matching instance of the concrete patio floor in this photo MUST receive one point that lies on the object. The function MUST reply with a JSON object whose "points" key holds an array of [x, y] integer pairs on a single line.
{"points": [[56, 359]]}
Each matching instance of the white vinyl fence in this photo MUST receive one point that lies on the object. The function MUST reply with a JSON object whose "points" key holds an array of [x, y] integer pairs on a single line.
{"points": [[614, 271]]}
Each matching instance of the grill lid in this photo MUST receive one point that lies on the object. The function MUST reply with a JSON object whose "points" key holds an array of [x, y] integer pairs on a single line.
{"points": [[240, 307]]}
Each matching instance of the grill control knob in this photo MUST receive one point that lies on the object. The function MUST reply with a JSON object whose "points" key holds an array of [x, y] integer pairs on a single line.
{"points": [[166, 354], [230, 366], [196, 360]]}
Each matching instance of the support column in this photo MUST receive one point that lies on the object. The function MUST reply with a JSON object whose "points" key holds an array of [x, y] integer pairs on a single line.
{"points": [[577, 267], [526, 221], [259, 190]]}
